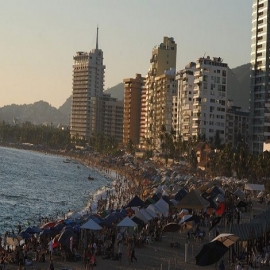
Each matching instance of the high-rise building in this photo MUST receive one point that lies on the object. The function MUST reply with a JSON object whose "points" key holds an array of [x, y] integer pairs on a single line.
{"points": [[185, 79], [113, 119], [260, 87], [107, 117], [237, 125], [159, 86], [88, 82], [132, 109], [202, 93]]}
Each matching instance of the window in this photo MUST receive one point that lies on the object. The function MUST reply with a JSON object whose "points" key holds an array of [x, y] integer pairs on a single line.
{"points": [[224, 73], [218, 71], [212, 100], [223, 80]]}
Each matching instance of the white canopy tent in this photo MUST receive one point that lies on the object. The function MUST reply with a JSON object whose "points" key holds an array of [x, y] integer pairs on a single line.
{"points": [[143, 215], [151, 213], [254, 187], [91, 225], [127, 222], [163, 206], [154, 209]]}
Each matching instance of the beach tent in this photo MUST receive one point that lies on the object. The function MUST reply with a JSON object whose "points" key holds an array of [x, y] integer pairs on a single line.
{"points": [[193, 200], [127, 222], [91, 225], [254, 187], [163, 206], [180, 194], [240, 194], [167, 200], [143, 215], [136, 201], [212, 193], [149, 201], [151, 213], [154, 209]]}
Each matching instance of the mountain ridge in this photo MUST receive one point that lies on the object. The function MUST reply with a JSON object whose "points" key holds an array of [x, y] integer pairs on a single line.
{"points": [[41, 112]]}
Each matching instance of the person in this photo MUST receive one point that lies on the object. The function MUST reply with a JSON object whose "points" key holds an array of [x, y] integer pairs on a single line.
{"points": [[221, 266], [92, 261], [120, 251], [238, 266], [51, 266], [133, 253], [50, 248], [3, 263]]}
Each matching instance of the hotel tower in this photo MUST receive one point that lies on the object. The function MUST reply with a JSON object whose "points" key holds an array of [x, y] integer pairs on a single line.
{"points": [[260, 83], [88, 83]]}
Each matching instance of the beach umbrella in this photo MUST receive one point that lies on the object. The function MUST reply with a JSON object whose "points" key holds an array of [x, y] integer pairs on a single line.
{"points": [[211, 253], [64, 237], [25, 235], [171, 227], [59, 226], [227, 239], [33, 230], [48, 225]]}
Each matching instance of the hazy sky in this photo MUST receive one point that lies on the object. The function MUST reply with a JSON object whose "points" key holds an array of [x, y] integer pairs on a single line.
{"points": [[38, 39]]}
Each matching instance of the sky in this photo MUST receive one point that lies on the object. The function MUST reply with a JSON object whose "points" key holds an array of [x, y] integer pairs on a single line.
{"points": [[38, 40]]}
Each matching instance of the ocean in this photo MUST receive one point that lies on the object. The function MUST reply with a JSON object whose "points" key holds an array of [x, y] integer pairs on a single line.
{"points": [[35, 185]]}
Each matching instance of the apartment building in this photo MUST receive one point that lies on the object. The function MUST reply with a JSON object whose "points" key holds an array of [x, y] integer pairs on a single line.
{"points": [[202, 93], [159, 78], [132, 108], [107, 116], [237, 125], [260, 88]]}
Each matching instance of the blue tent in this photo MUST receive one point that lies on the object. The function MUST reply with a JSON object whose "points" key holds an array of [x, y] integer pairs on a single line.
{"points": [[180, 194], [136, 202]]}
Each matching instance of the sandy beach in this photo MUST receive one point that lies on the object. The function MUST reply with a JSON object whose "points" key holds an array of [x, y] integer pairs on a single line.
{"points": [[170, 252]]}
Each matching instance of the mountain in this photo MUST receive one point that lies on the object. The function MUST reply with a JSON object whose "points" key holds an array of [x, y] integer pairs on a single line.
{"points": [[116, 91], [42, 112], [38, 113]]}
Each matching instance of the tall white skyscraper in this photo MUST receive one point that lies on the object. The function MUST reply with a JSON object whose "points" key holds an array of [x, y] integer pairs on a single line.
{"points": [[260, 87], [88, 82]]}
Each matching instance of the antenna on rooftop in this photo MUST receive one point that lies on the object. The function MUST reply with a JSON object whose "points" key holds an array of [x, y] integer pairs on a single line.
{"points": [[97, 39]]}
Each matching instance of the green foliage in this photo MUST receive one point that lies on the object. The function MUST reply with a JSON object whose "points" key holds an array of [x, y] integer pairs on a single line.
{"points": [[37, 135]]}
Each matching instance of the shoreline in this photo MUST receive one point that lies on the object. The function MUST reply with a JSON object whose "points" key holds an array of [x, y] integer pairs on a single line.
{"points": [[90, 162]]}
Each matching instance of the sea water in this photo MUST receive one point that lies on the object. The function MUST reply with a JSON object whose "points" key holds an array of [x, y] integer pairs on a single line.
{"points": [[35, 185]]}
